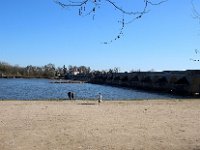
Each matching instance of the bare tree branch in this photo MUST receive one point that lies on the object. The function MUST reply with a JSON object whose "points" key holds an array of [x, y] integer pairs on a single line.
{"points": [[196, 13], [89, 7], [71, 3], [196, 52]]}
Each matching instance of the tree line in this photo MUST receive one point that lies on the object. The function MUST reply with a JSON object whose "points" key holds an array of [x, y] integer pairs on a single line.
{"points": [[50, 71], [46, 71]]}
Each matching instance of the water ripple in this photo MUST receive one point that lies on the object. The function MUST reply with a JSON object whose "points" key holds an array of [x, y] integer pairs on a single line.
{"points": [[42, 89]]}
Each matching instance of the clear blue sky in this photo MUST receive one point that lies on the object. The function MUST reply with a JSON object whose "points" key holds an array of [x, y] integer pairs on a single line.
{"points": [[38, 32]]}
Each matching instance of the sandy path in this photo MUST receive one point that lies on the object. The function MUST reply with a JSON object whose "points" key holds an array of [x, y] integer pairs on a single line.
{"points": [[136, 125]]}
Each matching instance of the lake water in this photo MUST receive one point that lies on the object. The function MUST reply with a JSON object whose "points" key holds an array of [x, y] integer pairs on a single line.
{"points": [[42, 89]]}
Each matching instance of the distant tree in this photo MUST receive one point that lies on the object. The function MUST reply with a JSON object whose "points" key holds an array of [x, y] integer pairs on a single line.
{"points": [[29, 70], [113, 71], [116, 70], [64, 70], [3, 66], [84, 70], [72, 69], [49, 70]]}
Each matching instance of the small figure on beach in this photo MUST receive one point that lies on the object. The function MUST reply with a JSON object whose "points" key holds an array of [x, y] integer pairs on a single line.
{"points": [[100, 97], [71, 95]]}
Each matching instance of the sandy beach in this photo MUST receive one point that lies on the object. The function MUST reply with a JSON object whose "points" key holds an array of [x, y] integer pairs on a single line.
{"points": [[85, 125]]}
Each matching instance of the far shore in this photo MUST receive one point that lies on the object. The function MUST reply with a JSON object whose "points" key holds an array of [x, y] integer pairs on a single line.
{"points": [[87, 125]]}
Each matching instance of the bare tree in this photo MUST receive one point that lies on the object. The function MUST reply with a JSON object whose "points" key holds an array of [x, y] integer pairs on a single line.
{"points": [[90, 7]]}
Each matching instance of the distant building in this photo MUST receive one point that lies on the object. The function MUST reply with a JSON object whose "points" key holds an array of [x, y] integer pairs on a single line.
{"points": [[75, 72]]}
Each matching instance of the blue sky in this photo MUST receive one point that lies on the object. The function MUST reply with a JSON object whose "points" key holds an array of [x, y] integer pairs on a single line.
{"points": [[38, 32]]}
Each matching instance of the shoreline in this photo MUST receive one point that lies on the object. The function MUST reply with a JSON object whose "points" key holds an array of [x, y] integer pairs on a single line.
{"points": [[104, 100]]}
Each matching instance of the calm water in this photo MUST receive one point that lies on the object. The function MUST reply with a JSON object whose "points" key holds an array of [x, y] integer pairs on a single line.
{"points": [[42, 89]]}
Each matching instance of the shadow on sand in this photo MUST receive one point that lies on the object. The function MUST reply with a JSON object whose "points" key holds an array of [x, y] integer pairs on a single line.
{"points": [[88, 103]]}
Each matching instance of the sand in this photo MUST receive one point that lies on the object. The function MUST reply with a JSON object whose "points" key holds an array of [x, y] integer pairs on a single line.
{"points": [[85, 125]]}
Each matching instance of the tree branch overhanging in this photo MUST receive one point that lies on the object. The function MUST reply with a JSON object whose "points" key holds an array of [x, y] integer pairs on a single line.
{"points": [[196, 13], [89, 7]]}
